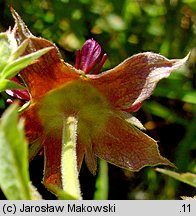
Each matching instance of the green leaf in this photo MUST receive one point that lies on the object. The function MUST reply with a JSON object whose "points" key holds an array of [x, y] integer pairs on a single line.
{"points": [[188, 178], [7, 84], [163, 112], [7, 46], [102, 181], [186, 146], [189, 97], [20, 50], [14, 67], [14, 177]]}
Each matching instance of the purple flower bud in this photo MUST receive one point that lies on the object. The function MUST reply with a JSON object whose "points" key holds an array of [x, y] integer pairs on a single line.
{"points": [[88, 58]]}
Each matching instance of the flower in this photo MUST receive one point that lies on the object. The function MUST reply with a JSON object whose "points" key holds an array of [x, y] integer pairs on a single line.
{"points": [[99, 102]]}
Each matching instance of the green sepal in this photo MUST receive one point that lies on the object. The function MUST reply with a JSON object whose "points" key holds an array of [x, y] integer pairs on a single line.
{"points": [[20, 50], [8, 84], [14, 67]]}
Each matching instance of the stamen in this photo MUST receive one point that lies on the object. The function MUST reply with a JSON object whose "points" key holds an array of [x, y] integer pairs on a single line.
{"points": [[78, 59], [90, 54], [101, 63], [88, 58]]}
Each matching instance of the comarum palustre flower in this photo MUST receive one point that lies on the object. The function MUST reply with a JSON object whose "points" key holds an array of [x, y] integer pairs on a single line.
{"points": [[100, 102]]}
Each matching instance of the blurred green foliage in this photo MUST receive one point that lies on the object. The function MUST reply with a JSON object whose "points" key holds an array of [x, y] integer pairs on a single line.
{"points": [[14, 176], [124, 28]]}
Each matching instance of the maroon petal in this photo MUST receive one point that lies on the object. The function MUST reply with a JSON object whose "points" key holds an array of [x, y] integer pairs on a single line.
{"points": [[33, 126], [123, 145], [52, 168], [134, 80], [49, 71]]}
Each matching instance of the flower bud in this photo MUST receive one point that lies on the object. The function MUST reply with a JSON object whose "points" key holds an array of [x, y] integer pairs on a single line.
{"points": [[89, 56]]}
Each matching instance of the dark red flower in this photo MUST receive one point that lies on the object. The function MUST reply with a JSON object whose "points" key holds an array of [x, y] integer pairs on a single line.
{"points": [[98, 102]]}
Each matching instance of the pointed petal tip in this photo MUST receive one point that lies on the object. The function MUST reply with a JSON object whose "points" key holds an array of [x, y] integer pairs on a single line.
{"points": [[180, 62], [12, 10], [166, 162], [161, 161], [20, 25], [15, 14]]}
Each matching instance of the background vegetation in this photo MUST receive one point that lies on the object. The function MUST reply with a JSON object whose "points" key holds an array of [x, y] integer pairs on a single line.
{"points": [[124, 28]]}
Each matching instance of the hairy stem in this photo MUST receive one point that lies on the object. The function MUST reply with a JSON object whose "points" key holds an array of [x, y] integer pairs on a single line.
{"points": [[69, 171]]}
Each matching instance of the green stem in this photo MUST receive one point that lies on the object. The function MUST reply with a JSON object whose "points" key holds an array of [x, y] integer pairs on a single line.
{"points": [[69, 170], [102, 182]]}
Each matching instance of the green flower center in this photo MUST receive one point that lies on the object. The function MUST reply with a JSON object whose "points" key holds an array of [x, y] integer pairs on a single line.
{"points": [[76, 98]]}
